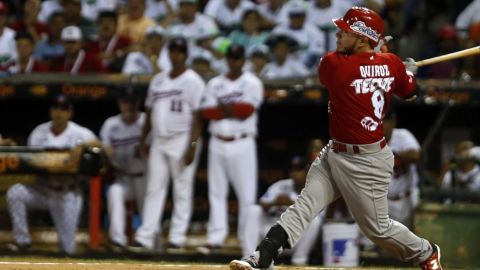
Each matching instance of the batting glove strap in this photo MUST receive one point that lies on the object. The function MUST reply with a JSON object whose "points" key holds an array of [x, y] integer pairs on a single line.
{"points": [[410, 66]]}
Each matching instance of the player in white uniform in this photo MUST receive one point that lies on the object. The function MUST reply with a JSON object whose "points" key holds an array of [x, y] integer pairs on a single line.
{"points": [[61, 195], [272, 204], [172, 102], [120, 136], [403, 193], [231, 102]]}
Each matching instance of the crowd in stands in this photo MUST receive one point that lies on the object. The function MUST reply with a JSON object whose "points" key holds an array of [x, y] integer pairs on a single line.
{"points": [[283, 38]]}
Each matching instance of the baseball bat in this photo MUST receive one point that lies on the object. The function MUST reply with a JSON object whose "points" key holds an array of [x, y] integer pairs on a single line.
{"points": [[450, 56]]}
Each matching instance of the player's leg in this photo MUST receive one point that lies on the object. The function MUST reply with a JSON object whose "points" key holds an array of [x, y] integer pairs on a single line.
{"points": [[243, 174], [139, 186], [217, 228], [319, 191], [401, 211], [116, 196], [157, 187], [65, 208], [302, 249], [20, 197], [253, 229], [363, 182], [182, 195]]}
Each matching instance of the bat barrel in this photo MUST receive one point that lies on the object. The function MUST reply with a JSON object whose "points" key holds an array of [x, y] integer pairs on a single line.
{"points": [[450, 56]]}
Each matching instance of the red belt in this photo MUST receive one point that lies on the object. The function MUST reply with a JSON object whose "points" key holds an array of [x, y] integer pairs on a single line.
{"points": [[339, 147], [230, 138]]}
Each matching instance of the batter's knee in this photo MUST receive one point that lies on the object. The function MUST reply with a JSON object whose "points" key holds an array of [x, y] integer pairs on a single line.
{"points": [[16, 192]]}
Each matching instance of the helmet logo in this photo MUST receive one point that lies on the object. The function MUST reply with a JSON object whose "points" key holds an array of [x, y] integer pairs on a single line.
{"points": [[362, 29]]}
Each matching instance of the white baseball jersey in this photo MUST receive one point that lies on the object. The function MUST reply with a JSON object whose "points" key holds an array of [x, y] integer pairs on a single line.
{"points": [[124, 139], [403, 140], [8, 48], [279, 188], [172, 101], [72, 136], [291, 68], [202, 25], [247, 89], [310, 38]]}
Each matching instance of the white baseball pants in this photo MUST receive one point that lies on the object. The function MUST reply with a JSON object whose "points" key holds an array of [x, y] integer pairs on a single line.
{"points": [[233, 162], [165, 161], [260, 222], [63, 206], [123, 189]]}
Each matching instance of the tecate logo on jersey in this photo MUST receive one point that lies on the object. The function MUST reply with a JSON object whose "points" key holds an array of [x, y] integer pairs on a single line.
{"points": [[361, 28]]}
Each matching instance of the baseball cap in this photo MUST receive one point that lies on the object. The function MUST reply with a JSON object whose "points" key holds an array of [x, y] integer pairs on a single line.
{"points": [[258, 50], [71, 33], [298, 163], [155, 30], [3, 8], [178, 43], [235, 51], [61, 101], [203, 55], [128, 94], [297, 7]]}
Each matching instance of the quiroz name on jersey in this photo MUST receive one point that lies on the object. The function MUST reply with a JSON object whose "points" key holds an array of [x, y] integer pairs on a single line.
{"points": [[374, 77]]}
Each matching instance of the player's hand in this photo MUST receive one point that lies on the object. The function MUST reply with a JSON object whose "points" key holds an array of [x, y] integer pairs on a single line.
{"points": [[143, 151], [410, 65], [189, 154], [382, 44]]}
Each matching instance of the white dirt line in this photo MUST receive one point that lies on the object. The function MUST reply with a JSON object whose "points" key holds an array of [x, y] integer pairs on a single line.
{"points": [[105, 264]]}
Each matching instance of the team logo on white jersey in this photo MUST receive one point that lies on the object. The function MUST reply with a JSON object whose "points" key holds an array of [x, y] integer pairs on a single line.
{"points": [[369, 124]]}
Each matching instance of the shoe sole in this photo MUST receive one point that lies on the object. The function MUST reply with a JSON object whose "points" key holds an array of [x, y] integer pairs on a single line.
{"points": [[240, 265]]}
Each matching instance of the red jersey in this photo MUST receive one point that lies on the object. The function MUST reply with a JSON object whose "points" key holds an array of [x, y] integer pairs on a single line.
{"points": [[84, 63], [360, 87], [33, 66]]}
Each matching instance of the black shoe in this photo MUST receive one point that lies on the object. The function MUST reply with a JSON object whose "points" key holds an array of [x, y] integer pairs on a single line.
{"points": [[117, 247], [208, 249], [174, 248], [137, 247], [19, 247]]}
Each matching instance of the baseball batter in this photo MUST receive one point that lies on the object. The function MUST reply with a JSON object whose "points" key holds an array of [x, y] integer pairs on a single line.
{"points": [[357, 164], [120, 134], [61, 195], [172, 102], [403, 193], [231, 102]]}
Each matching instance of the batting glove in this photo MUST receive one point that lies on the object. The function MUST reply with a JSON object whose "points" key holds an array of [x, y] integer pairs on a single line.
{"points": [[410, 66], [382, 45]]}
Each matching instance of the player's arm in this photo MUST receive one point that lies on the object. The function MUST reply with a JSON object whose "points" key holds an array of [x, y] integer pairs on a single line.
{"points": [[240, 110], [194, 138], [147, 127], [406, 88], [407, 157]]}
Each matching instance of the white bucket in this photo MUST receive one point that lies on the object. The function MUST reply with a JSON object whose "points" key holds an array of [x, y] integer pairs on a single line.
{"points": [[340, 244]]}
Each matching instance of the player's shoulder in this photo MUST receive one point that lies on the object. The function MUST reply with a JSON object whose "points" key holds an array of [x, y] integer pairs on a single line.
{"points": [[193, 75], [390, 57], [42, 128], [249, 76], [77, 128], [112, 120]]}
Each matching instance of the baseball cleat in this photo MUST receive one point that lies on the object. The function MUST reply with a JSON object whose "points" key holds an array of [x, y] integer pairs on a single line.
{"points": [[433, 262], [250, 263]]}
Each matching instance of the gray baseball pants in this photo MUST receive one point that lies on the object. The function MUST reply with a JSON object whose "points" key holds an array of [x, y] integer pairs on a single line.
{"points": [[362, 180]]}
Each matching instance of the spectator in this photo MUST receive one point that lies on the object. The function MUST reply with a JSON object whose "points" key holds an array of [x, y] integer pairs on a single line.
{"points": [[469, 16], [51, 47], [462, 171], [134, 23], [29, 22], [403, 194], [259, 57], [76, 60], [202, 64], [121, 136], [272, 204], [47, 9], [7, 141], [159, 10], [273, 13], [109, 46], [60, 194], [25, 62], [190, 23], [310, 39], [145, 60], [249, 34], [72, 9], [172, 118], [321, 12], [91, 9], [471, 64], [227, 13], [8, 50], [284, 65], [231, 102]]}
